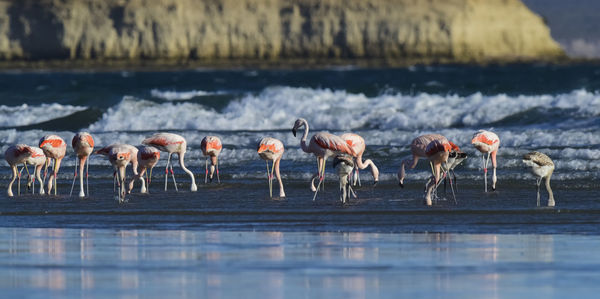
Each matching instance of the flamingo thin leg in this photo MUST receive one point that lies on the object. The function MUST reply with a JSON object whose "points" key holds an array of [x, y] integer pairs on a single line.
{"points": [[74, 177], [167, 171], [173, 175]]}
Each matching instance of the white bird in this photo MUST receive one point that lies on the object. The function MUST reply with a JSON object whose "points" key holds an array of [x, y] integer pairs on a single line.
{"points": [[542, 167], [344, 165]]}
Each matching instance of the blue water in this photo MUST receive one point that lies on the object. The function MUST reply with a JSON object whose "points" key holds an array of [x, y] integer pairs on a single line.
{"points": [[66, 246]]}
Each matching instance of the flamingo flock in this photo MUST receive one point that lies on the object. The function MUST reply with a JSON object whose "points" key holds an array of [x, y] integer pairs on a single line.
{"points": [[346, 150]]}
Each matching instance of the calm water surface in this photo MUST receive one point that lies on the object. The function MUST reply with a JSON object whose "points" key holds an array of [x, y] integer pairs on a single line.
{"points": [[223, 264]]}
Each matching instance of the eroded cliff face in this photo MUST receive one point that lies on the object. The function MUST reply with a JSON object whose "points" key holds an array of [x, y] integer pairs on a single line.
{"points": [[453, 30]]}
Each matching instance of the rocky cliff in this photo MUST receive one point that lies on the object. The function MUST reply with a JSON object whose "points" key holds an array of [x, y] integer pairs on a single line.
{"points": [[273, 30]]}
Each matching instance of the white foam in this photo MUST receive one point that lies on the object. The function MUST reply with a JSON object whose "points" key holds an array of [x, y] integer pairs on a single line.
{"points": [[277, 108], [171, 95], [24, 114]]}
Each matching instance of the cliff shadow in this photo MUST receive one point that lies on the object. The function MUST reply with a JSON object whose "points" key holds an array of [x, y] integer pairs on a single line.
{"points": [[37, 29]]}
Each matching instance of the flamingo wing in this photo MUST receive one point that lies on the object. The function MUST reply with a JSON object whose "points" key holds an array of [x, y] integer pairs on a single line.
{"points": [[333, 143]]}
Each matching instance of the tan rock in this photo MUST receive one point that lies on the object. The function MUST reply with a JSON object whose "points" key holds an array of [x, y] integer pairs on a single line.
{"points": [[452, 30]]}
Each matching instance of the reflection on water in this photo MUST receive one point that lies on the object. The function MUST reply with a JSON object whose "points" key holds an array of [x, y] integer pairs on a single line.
{"points": [[216, 264]]}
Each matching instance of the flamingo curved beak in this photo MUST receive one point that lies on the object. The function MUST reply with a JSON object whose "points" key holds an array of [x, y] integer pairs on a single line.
{"points": [[375, 183], [401, 185], [294, 132]]}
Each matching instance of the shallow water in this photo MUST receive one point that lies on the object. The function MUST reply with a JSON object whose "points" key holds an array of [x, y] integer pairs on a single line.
{"points": [[222, 264], [232, 240]]}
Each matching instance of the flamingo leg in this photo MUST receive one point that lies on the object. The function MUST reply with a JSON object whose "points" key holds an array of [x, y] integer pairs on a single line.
{"points": [[206, 170], [28, 174], [484, 171], [322, 173], [87, 180], [121, 184], [451, 188], [167, 171], [269, 180], [218, 179], [358, 177], [46, 172], [173, 176], [74, 177], [33, 183], [115, 182], [454, 179], [149, 176], [538, 183], [55, 170], [19, 182]]}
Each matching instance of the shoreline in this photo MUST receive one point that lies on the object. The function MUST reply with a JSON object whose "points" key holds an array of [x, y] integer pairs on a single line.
{"points": [[231, 64]]}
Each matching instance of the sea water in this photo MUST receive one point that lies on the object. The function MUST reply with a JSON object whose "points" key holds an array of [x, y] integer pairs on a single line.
{"points": [[552, 109]]}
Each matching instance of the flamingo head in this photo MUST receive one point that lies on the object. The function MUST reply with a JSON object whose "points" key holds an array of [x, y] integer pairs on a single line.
{"points": [[400, 179], [298, 124], [119, 157]]}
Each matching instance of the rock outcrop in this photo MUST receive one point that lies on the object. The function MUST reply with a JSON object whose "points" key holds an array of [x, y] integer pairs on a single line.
{"points": [[273, 30]]}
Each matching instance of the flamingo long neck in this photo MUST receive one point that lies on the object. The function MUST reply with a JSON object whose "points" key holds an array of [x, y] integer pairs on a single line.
{"points": [[303, 144], [367, 163], [550, 194], [278, 175], [185, 168], [362, 164]]}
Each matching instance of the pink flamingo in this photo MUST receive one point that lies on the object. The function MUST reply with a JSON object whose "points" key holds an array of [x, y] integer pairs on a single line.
{"points": [[437, 152], [83, 145], [172, 144], [271, 149], [119, 155], [54, 148], [418, 148], [37, 159], [132, 157], [357, 143], [147, 158], [15, 155], [487, 142], [211, 147], [323, 145]]}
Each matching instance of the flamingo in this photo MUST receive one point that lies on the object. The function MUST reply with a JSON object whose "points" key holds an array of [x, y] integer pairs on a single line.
{"points": [[54, 148], [119, 155], [83, 145], [271, 149], [418, 149], [487, 142], [172, 144], [147, 157], [323, 145], [357, 143], [344, 165], [542, 167], [211, 147], [455, 157], [15, 155], [133, 153], [37, 159], [437, 151]]}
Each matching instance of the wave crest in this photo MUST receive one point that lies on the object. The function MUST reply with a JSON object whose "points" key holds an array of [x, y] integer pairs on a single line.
{"points": [[277, 107]]}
